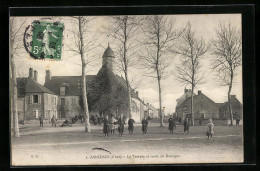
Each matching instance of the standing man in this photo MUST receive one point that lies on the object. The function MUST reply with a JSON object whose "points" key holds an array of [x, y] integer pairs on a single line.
{"points": [[131, 125], [237, 121], [53, 121], [106, 126], [121, 125], [41, 121], [200, 121], [186, 126], [144, 125], [171, 124]]}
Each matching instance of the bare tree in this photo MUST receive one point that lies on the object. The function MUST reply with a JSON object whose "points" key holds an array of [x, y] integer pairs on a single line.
{"points": [[125, 30], [15, 44], [82, 43], [160, 36], [227, 53], [191, 50]]}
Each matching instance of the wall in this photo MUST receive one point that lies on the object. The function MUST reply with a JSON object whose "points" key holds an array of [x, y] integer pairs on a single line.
{"points": [[137, 110], [50, 108], [69, 110], [201, 104], [31, 107], [204, 105], [20, 108], [236, 108]]}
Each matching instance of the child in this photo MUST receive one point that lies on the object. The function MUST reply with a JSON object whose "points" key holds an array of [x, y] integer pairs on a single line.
{"points": [[210, 129], [112, 125]]}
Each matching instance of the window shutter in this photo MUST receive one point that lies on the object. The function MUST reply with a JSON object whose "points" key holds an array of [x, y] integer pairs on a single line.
{"points": [[31, 98], [39, 99]]}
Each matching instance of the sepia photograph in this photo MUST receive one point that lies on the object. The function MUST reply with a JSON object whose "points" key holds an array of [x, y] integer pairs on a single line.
{"points": [[126, 89]]}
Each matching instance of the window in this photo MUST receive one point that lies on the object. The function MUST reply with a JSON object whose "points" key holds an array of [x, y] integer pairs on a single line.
{"points": [[62, 101], [54, 101], [62, 91], [73, 101], [35, 99]]}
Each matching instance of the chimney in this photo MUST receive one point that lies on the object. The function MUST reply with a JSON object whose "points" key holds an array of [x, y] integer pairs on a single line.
{"points": [[30, 73], [35, 76], [199, 92], [48, 76]]}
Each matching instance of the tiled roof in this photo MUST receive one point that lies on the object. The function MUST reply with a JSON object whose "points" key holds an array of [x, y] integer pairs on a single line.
{"points": [[71, 82], [28, 85], [194, 98], [181, 99], [34, 87], [233, 101]]}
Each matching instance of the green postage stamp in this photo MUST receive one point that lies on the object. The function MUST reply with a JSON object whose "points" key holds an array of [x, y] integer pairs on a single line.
{"points": [[47, 40]]}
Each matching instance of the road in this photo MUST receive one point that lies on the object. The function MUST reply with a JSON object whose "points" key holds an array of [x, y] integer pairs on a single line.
{"points": [[72, 146]]}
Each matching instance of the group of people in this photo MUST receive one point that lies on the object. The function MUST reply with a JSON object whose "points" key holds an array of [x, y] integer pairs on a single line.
{"points": [[110, 125], [54, 122], [210, 128]]}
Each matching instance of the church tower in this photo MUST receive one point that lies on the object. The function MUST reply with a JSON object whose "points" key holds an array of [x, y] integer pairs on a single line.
{"points": [[108, 58]]}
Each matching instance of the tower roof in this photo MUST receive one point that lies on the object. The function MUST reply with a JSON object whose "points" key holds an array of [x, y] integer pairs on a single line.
{"points": [[108, 53]]}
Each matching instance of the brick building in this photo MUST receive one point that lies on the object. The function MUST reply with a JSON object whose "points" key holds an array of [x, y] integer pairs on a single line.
{"points": [[237, 109], [203, 107], [33, 99]]}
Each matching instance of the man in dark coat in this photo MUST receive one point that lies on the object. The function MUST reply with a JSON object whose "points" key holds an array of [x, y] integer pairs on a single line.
{"points": [[144, 125], [53, 121], [121, 125], [41, 121], [171, 124], [131, 125], [186, 126], [237, 121], [106, 129]]}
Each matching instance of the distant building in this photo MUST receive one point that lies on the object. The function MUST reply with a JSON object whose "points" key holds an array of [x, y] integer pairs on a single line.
{"points": [[237, 109], [33, 99], [106, 92], [61, 95], [152, 111], [203, 107], [187, 94]]}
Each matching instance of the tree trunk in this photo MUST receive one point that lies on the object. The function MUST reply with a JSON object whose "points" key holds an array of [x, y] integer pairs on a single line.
{"points": [[83, 77], [160, 102], [192, 114], [14, 100], [126, 72], [128, 95], [229, 100]]}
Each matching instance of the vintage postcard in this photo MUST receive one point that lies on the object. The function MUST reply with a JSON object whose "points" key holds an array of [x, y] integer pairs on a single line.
{"points": [[126, 89]]}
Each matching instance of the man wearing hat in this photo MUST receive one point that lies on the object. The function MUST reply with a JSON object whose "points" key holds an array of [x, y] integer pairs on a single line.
{"points": [[171, 124]]}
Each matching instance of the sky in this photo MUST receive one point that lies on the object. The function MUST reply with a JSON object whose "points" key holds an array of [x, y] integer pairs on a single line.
{"points": [[203, 24]]}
